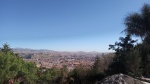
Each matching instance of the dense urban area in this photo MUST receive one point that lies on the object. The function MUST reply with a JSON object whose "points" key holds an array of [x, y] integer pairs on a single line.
{"points": [[49, 58]]}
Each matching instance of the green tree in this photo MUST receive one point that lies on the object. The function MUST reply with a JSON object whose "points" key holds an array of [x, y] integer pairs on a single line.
{"points": [[97, 71], [138, 24], [97, 65], [144, 51], [48, 76], [9, 66], [80, 75], [63, 75], [133, 63], [14, 69], [122, 49], [28, 73], [6, 48]]}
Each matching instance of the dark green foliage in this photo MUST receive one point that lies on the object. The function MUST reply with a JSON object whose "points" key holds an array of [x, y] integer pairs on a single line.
{"points": [[8, 66], [90, 74], [62, 79], [29, 73], [144, 51], [97, 65], [47, 76], [127, 59], [97, 72], [14, 69], [79, 75], [138, 24], [125, 45], [133, 63], [84, 75], [5, 48]]}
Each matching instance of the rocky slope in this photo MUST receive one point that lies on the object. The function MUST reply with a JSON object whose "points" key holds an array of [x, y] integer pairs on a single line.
{"points": [[120, 79]]}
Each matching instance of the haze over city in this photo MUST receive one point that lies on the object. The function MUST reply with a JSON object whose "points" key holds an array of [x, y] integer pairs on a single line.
{"points": [[64, 25]]}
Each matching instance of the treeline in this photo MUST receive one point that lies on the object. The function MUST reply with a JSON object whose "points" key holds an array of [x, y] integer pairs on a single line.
{"points": [[130, 59], [133, 58]]}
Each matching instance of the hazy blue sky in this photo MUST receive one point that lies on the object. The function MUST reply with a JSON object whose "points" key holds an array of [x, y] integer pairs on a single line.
{"points": [[64, 25]]}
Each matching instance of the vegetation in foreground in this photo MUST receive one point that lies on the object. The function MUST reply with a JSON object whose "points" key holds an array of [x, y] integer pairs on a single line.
{"points": [[130, 58], [14, 70]]}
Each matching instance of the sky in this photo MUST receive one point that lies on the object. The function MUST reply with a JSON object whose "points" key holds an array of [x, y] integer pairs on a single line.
{"points": [[64, 25]]}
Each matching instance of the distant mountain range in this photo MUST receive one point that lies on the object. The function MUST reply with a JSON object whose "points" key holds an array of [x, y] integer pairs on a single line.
{"points": [[27, 50], [30, 53]]}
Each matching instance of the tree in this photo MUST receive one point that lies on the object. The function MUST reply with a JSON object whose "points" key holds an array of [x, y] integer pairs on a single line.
{"points": [[64, 75], [123, 50], [14, 69], [48, 75], [80, 75], [144, 51], [9, 66], [138, 24], [6, 48], [97, 71], [97, 65], [28, 73], [133, 63]]}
